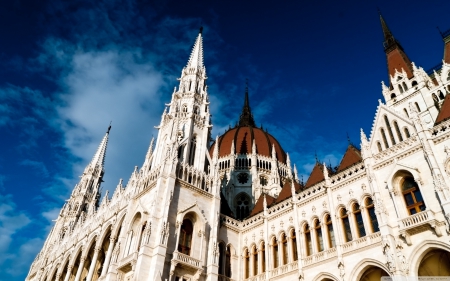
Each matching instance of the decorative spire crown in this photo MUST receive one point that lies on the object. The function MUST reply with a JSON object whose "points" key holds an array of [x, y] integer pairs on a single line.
{"points": [[246, 118], [196, 59], [99, 156]]}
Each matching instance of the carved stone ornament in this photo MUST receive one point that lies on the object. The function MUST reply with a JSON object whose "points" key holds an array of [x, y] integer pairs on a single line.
{"points": [[313, 209], [303, 214], [324, 204], [339, 198]]}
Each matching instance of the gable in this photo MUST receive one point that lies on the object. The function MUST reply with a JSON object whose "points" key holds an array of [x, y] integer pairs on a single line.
{"points": [[350, 158], [444, 113], [316, 175]]}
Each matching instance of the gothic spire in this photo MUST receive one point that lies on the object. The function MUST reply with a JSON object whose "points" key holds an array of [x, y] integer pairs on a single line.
{"points": [[246, 118], [99, 157], [397, 60], [196, 59]]}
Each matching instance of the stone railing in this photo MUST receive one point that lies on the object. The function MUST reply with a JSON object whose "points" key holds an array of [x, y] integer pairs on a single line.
{"points": [[416, 219], [186, 260], [417, 223], [330, 253], [194, 177], [361, 242], [284, 269], [259, 277]]}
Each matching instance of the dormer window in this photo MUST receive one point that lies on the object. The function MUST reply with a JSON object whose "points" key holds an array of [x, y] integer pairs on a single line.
{"points": [[399, 78]]}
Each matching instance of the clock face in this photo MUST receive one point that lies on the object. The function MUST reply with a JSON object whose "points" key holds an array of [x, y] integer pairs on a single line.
{"points": [[242, 178]]}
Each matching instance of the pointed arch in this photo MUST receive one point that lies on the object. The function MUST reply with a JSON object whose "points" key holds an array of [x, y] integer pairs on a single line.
{"points": [[361, 267]]}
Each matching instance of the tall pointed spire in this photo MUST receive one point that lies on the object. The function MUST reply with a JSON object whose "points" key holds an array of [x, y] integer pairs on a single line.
{"points": [[196, 58], [396, 57], [99, 157], [246, 118]]}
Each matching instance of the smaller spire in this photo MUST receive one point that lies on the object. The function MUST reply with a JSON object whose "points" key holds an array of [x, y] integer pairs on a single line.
{"points": [[246, 118], [99, 156], [274, 153], [232, 147], [295, 173], [216, 149]]}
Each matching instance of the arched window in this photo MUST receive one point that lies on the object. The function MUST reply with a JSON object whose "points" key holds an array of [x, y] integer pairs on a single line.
{"points": [[221, 259], [184, 243], [308, 241], [275, 255], [397, 129], [400, 89], [181, 153], [228, 262], [255, 261], [319, 237], [406, 112], [448, 76], [414, 83], [262, 180], [413, 196], [388, 126], [417, 106], [383, 135], [184, 108], [246, 264], [404, 86], [192, 151], [361, 232], [393, 95], [441, 95], [346, 226], [372, 216], [294, 245], [379, 146], [242, 206], [435, 98], [407, 133], [284, 242], [263, 257], [330, 232]]}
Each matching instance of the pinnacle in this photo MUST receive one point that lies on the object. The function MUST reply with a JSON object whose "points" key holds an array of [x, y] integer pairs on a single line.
{"points": [[99, 156], [246, 118], [196, 58]]}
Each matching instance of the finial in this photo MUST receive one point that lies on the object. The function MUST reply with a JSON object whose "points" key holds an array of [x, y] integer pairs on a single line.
{"points": [[109, 127], [201, 30], [315, 155], [348, 139]]}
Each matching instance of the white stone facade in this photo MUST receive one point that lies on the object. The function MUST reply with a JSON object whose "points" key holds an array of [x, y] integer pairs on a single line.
{"points": [[166, 224]]}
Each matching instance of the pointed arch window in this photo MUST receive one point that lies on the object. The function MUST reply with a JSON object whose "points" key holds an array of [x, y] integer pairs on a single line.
{"points": [[407, 133], [448, 76], [383, 135], [284, 242], [242, 206], [406, 112], [330, 232], [184, 108], [397, 129], [184, 243], [388, 126], [254, 261], [221, 259], [441, 95], [308, 241], [361, 232], [404, 86], [379, 146], [372, 215], [318, 234], [275, 253], [263, 257], [400, 89], [192, 151], [246, 264], [294, 245], [412, 195], [417, 106], [346, 226], [228, 262]]}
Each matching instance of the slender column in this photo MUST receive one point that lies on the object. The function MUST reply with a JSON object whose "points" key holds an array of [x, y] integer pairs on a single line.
{"points": [[69, 272], [325, 238], [108, 256], [80, 269], [58, 275], [366, 222], [93, 262]]}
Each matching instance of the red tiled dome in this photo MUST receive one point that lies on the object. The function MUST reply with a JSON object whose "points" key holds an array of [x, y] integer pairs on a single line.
{"points": [[243, 137]]}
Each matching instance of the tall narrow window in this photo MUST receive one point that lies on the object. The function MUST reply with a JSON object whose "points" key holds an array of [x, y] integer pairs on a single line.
{"points": [[346, 226], [318, 233], [228, 262], [404, 86], [330, 232], [372, 216], [221, 256], [441, 95], [184, 244], [388, 126], [246, 264], [413, 196], [192, 151], [255, 261], [407, 133], [263, 257], [397, 129], [284, 242], [400, 89], [417, 106], [359, 221], [379, 146], [383, 135], [242, 206], [294, 245], [406, 112], [276, 262], [308, 241], [181, 152]]}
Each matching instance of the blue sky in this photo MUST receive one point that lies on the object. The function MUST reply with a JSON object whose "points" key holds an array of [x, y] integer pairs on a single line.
{"points": [[68, 69]]}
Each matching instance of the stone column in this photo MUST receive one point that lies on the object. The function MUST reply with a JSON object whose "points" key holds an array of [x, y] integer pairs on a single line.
{"points": [[69, 272], [108, 256], [93, 262], [80, 269]]}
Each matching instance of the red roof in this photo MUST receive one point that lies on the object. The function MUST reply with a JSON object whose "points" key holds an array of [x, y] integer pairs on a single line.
{"points": [[398, 60], [243, 137], [316, 175], [286, 191], [447, 52], [350, 158], [259, 206], [444, 113]]}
